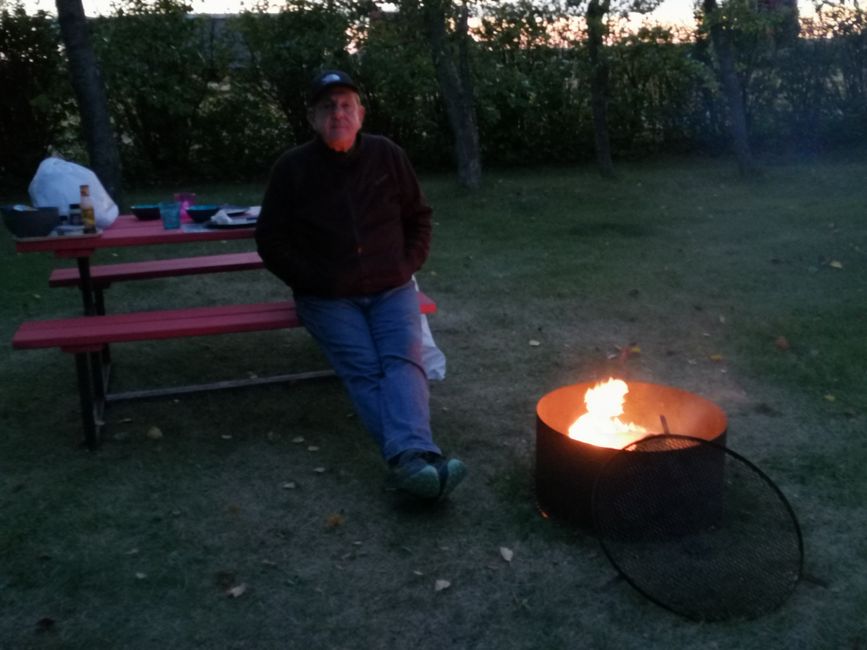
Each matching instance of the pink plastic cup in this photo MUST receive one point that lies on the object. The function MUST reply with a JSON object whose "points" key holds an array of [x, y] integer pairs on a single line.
{"points": [[186, 199]]}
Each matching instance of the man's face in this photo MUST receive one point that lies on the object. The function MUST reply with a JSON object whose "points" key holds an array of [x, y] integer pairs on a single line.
{"points": [[337, 118]]}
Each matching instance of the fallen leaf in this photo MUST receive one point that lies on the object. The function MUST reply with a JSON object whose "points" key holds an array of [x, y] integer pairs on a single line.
{"points": [[506, 553], [440, 585], [630, 350], [236, 591], [154, 433], [534, 343], [715, 357], [334, 520], [836, 264], [782, 343]]}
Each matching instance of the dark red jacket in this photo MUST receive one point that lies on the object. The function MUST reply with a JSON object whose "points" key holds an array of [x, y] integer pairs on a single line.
{"points": [[344, 224]]}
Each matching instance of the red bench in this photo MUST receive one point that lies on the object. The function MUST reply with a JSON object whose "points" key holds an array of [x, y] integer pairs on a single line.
{"points": [[87, 336], [102, 276]]}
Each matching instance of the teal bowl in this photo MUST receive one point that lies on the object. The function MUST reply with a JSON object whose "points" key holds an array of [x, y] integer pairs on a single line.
{"points": [[24, 221], [201, 212], [146, 211]]}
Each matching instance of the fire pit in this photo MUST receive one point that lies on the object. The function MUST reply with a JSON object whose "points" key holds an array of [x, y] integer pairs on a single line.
{"points": [[567, 467], [690, 524]]}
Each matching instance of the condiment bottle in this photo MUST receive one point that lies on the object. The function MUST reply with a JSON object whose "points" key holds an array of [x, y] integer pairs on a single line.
{"points": [[88, 216], [74, 214]]}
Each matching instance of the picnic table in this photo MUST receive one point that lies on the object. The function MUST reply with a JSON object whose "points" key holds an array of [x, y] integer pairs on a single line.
{"points": [[126, 231], [90, 336]]}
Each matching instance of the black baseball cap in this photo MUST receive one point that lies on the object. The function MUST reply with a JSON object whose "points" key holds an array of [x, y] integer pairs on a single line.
{"points": [[330, 79]]}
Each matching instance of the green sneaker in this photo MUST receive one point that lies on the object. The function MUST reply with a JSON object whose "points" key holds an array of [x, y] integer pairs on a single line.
{"points": [[413, 474], [451, 472]]}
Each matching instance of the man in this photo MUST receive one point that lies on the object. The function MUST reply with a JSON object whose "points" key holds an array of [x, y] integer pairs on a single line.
{"points": [[345, 225]]}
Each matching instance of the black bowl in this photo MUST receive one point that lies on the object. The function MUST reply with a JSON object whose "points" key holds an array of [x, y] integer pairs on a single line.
{"points": [[24, 221], [146, 211], [201, 212]]}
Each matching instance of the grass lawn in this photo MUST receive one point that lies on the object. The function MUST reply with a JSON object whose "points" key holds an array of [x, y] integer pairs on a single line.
{"points": [[751, 294]]}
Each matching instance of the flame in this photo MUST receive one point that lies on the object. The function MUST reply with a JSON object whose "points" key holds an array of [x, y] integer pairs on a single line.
{"points": [[601, 425]]}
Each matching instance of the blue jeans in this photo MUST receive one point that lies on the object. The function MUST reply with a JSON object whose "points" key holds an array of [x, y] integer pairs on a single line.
{"points": [[374, 344]]}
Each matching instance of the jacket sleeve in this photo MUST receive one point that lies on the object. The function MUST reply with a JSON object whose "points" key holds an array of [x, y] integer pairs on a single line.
{"points": [[416, 215], [273, 228]]}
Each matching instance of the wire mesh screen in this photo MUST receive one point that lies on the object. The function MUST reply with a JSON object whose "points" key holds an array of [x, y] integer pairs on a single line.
{"points": [[697, 528]]}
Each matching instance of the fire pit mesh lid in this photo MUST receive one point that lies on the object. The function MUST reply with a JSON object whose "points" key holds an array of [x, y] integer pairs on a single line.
{"points": [[697, 528]]}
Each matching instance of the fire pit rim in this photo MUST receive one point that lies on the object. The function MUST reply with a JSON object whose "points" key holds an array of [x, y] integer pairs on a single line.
{"points": [[560, 422]]}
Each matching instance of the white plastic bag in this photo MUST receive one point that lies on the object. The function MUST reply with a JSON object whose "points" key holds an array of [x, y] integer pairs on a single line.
{"points": [[432, 358], [58, 183]]}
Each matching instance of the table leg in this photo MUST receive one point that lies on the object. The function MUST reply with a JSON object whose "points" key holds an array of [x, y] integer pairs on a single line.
{"points": [[85, 284], [94, 304], [91, 415]]}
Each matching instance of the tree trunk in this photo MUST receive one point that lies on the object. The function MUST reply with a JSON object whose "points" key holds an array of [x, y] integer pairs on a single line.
{"points": [[732, 89], [596, 30], [456, 86], [89, 90]]}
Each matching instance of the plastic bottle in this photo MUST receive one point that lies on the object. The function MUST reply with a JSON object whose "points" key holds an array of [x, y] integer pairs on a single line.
{"points": [[88, 216]]}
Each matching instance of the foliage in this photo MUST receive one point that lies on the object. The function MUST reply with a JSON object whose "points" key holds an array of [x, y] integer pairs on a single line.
{"points": [[159, 64], [801, 94], [532, 91], [657, 91], [842, 32], [400, 89], [279, 54], [37, 105], [206, 97]]}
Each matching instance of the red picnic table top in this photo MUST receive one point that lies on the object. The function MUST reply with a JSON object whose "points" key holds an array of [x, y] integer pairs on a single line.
{"points": [[127, 230]]}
